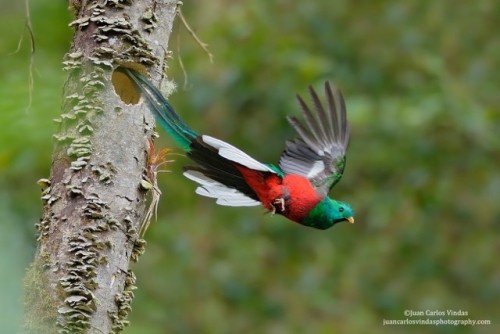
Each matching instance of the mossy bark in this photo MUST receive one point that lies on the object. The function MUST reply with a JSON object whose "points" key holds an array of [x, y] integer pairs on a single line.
{"points": [[94, 205]]}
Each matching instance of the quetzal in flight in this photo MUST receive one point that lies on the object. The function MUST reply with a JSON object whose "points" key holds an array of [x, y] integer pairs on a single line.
{"points": [[298, 188]]}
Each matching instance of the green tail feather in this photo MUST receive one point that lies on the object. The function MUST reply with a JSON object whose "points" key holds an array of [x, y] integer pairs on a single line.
{"points": [[163, 111]]}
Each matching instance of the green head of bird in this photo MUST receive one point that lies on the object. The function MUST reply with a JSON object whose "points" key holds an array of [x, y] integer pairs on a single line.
{"points": [[327, 213]]}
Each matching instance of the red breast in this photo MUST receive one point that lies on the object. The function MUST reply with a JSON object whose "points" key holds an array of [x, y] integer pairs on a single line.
{"points": [[303, 197], [299, 194]]}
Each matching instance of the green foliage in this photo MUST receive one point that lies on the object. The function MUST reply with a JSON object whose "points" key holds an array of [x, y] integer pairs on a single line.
{"points": [[420, 81]]}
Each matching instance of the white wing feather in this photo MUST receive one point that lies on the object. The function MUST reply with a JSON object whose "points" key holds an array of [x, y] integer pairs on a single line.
{"points": [[213, 189], [230, 152]]}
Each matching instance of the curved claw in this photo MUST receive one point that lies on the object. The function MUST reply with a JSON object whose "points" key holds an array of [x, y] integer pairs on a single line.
{"points": [[278, 201]]}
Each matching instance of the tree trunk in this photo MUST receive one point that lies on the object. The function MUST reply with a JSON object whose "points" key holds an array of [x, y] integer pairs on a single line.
{"points": [[94, 201]]}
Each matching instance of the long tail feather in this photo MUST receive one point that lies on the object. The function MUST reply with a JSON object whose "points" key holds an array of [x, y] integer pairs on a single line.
{"points": [[163, 111], [219, 164]]}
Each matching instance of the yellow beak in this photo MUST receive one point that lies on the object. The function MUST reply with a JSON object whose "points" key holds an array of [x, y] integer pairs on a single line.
{"points": [[350, 220]]}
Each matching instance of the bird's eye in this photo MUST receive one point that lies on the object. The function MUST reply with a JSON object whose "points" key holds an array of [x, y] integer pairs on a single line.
{"points": [[341, 209]]}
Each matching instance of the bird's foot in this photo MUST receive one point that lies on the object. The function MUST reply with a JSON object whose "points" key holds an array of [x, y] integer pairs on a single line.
{"points": [[280, 202]]}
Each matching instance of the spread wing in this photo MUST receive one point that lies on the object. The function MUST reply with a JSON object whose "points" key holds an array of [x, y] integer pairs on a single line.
{"points": [[319, 151]]}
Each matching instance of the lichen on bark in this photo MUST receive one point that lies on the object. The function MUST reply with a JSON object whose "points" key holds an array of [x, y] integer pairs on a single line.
{"points": [[93, 201]]}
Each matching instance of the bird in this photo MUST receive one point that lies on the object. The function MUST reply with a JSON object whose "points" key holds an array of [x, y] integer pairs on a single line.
{"points": [[297, 188]]}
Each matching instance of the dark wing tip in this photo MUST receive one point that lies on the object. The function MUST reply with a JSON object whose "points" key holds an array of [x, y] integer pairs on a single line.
{"points": [[328, 86], [336, 104], [302, 103], [344, 126]]}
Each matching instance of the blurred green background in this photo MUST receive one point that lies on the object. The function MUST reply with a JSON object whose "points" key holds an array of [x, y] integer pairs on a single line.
{"points": [[421, 82]]}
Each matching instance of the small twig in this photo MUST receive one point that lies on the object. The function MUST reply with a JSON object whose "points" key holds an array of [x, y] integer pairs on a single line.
{"points": [[203, 45], [181, 63], [29, 27]]}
